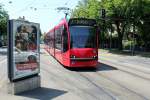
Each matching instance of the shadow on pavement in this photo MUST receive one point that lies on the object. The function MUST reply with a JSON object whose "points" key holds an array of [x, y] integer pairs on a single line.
{"points": [[123, 52], [99, 67], [82, 69], [43, 93], [104, 67]]}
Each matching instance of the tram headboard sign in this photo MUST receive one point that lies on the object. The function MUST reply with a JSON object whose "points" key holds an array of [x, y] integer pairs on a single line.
{"points": [[82, 21], [23, 49]]}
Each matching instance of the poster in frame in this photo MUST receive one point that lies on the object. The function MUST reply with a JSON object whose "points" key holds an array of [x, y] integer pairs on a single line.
{"points": [[23, 49]]}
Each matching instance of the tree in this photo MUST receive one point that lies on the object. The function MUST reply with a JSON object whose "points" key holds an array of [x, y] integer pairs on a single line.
{"points": [[139, 13], [115, 10], [144, 24], [3, 21], [80, 10], [124, 15], [117, 14]]}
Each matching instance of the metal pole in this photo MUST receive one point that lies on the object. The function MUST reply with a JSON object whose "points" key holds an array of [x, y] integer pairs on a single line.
{"points": [[111, 38], [66, 14], [133, 46]]}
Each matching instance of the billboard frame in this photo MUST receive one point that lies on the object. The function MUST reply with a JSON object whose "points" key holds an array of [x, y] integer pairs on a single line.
{"points": [[10, 54]]}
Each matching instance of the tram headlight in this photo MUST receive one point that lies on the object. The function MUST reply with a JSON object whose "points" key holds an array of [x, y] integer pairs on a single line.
{"points": [[72, 56], [94, 56]]}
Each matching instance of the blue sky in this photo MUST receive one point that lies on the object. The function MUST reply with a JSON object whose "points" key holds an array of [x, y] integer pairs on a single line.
{"points": [[46, 13]]}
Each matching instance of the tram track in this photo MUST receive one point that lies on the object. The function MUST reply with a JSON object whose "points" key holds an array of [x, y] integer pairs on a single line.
{"points": [[63, 70], [94, 84], [98, 85], [139, 68], [132, 70], [73, 90], [113, 81], [123, 86], [74, 85]]}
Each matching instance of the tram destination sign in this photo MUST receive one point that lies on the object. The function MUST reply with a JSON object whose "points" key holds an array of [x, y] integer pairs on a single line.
{"points": [[82, 21]]}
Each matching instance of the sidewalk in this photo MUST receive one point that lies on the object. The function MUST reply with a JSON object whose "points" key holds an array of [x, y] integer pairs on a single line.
{"points": [[132, 64]]}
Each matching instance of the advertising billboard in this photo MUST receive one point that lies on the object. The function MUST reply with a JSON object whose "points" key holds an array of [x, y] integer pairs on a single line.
{"points": [[23, 49]]}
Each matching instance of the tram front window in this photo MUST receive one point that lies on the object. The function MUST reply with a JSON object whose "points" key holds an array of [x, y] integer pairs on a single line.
{"points": [[83, 36]]}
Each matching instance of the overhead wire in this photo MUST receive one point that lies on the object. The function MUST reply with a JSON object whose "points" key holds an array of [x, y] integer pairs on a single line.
{"points": [[25, 8], [66, 3]]}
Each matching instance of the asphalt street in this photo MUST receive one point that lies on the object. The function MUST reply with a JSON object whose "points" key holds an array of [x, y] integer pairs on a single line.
{"points": [[103, 83], [132, 64]]}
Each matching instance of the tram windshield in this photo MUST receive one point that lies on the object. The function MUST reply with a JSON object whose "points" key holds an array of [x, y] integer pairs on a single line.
{"points": [[83, 36]]}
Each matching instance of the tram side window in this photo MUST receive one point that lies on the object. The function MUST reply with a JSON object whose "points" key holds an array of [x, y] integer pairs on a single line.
{"points": [[51, 40], [48, 39], [58, 39], [65, 39]]}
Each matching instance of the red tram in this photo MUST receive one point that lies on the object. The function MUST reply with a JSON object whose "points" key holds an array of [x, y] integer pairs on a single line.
{"points": [[74, 42]]}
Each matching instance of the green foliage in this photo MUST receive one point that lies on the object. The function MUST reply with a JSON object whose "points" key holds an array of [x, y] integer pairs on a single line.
{"points": [[3, 20], [87, 9], [121, 14]]}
